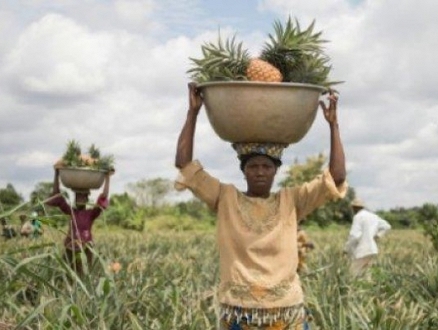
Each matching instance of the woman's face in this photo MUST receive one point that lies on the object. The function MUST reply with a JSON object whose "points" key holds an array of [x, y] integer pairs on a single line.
{"points": [[259, 173]]}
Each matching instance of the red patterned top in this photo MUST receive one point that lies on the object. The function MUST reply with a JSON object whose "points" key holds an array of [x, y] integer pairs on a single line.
{"points": [[81, 221]]}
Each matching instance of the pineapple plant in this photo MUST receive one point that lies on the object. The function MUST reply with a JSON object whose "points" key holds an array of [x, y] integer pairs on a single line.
{"points": [[290, 55], [230, 61], [73, 157]]}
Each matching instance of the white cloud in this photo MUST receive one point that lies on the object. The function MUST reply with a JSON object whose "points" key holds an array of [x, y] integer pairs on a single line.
{"points": [[35, 159], [113, 73], [134, 10], [56, 56], [424, 144]]}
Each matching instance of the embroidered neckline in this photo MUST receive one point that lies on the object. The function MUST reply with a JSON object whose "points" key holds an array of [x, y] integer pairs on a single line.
{"points": [[259, 215]]}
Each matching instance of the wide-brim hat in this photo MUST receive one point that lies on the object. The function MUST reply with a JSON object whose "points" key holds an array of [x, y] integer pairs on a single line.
{"points": [[357, 203]]}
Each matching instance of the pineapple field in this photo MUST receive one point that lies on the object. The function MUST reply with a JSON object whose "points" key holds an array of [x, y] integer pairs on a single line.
{"points": [[167, 280]]}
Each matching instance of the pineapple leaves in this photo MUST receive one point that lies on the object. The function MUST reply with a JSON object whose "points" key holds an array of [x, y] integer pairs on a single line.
{"points": [[73, 157], [225, 60], [297, 53]]}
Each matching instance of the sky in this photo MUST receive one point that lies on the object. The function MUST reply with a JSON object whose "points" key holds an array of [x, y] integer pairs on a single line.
{"points": [[114, 73]]}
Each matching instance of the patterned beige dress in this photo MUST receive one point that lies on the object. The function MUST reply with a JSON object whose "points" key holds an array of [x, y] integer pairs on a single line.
{"points": [[257, 239]]}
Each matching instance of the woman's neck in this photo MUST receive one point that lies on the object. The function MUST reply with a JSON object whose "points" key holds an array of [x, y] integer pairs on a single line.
{"points": [[258, 195]]}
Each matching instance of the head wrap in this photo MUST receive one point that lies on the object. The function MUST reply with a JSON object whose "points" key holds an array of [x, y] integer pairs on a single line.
{"points": [[247, 150]]}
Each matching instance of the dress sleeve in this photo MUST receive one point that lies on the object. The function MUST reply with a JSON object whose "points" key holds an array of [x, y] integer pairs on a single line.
{"points": [[101, 204], [315, 193], [200, 183], [59, 201], [102, 201]]}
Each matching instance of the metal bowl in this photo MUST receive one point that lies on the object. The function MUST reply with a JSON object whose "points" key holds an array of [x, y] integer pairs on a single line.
{"points": [[79, 179], [244, 111]]}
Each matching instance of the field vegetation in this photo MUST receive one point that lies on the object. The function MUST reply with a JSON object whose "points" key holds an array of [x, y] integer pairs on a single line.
{"points": [[167, 280], [156, 265]]}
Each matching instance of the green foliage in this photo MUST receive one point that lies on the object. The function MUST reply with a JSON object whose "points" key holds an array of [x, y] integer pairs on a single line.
{"points": [[299, 173], [225, 60], [73, 153], [298, 53], [168, 280], [9, 197], [196, 209], [136, 221], [47, 215], [401, 217], [124, 212], [164, 223], [73, 157], [429, 220], [150, 192], [94, 152], [388, 297], [41, 192]]}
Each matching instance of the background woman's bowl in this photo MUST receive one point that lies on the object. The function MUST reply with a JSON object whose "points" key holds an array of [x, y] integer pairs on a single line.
{"points": [[244, 111], [79, 179]]}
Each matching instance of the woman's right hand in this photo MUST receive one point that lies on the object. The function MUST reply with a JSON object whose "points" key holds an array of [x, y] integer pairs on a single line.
{"points": [[195, 99], [59, 164]]}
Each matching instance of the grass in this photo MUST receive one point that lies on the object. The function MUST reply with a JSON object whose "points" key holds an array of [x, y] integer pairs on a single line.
{"points": [[168, 281]]}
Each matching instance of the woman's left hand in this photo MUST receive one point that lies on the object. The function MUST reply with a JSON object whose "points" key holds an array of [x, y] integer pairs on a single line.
{"points": [[330, 111]]}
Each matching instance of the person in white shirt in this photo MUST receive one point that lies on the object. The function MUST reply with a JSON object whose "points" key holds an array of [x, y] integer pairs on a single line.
{"points": [[361, 245]]}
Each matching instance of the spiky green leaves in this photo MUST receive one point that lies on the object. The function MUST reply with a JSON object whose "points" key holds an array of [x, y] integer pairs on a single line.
{"points": [[221, 61], [94, 160], [72, 155], [298, 54], [94, 152], [105, 163]]}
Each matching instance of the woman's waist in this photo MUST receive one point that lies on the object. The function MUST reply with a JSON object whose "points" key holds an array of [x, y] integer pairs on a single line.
{"points": [[261, 291]]}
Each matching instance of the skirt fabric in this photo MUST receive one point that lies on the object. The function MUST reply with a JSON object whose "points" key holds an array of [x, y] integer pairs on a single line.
{"points": [[235, 318], [279, 325]]}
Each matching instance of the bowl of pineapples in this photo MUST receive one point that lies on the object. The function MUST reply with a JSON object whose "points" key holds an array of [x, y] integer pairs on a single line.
{"points": [[79, 179], [270, 98], [82, 172]]}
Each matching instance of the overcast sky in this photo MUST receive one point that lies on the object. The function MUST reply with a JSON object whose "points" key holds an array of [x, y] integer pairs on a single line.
{"points": [[113, 73]]}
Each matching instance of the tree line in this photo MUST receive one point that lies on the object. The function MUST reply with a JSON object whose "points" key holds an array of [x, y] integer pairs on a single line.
{"points": [[150, 198]]}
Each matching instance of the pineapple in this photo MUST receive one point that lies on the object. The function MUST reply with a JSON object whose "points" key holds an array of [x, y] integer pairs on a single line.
{"points": [[229, 61], [290, 55], [72, 156], [94, 160], [259, 70]]}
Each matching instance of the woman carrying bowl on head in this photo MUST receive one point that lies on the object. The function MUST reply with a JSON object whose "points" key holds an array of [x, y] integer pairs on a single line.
{"points": [[257, 229], [79, 239]]}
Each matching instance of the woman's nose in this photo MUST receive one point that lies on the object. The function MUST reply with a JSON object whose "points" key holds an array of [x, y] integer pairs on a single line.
{"points": [[260, 170]]}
